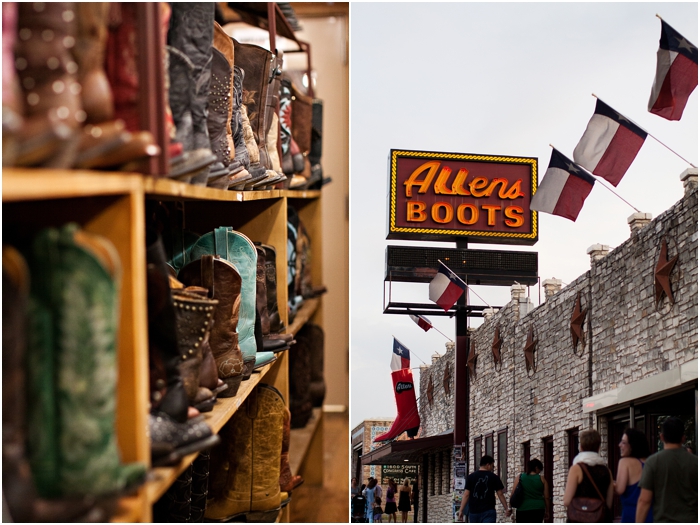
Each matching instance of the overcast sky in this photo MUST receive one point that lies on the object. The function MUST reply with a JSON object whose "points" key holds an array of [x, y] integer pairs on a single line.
{"points": [[499, 79]]}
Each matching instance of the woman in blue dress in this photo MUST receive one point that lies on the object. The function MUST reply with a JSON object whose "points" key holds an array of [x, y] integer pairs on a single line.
{"points": [[634, 451], [369, 498]]}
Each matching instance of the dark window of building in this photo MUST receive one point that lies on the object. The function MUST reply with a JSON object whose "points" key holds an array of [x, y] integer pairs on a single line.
{"points": [[432, 474], [503, 456], [572, 439], [438, 480], [488, 445], [477, 452], [447, 470], [526, 455]]}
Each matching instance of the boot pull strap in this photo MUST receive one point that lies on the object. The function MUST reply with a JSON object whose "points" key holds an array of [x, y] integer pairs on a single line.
{"points": [[221, 241], [207, 273]]}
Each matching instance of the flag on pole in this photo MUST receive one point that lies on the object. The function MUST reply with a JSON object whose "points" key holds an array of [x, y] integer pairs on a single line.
{"points": [[676, 74], [401, 357], [609, 144], [445, 288], [563, 189], [421, 321]]}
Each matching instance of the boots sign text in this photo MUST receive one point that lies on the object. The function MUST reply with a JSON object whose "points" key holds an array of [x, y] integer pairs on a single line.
{"points": [[450, 196]]}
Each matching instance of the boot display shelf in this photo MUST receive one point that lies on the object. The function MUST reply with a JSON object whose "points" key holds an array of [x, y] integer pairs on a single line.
{"points": [[113, 205]]}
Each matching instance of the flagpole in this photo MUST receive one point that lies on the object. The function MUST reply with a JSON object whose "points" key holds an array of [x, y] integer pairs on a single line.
{"points": [[465, 284], [605, 186], [652, 136]]}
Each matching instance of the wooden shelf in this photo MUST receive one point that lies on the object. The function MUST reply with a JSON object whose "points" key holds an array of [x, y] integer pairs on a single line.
{"points": [[35, 184], [301, 194], [303, 440], [161, 478], [172, 189]]}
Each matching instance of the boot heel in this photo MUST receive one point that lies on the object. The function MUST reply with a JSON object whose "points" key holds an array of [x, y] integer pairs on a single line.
{"points": [[233, 384]]}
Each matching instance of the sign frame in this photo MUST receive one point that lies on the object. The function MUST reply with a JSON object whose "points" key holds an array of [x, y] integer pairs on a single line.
{"points": [[397, 231]]}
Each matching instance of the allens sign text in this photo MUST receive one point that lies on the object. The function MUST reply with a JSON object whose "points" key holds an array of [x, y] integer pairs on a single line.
{"points": [[450, 196]]}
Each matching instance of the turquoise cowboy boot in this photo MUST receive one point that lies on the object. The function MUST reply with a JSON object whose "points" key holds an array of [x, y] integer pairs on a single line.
{"points": [[72, 366], [236, 248]]}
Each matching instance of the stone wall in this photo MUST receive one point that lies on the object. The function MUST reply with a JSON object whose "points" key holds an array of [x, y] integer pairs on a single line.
{"points": [[627, 337]]}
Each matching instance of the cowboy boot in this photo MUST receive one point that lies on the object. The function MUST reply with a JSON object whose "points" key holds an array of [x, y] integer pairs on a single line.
{"points": [[246, 482], [261, 291], [175, 506], [240, 251], [292, 159], [407, 417], [256, 170], [48, 75], [194, 315], [222, 278], [271, 288], [300, 403], [317, 385], [256, 62], [200, 487], [24, 505], [241, 152], [317, 180], [288, 481], [168, 393], [72, 367], [192, 32]]}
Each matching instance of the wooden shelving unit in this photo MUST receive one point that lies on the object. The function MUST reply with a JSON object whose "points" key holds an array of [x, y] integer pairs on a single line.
{"points": [[113, 205]]}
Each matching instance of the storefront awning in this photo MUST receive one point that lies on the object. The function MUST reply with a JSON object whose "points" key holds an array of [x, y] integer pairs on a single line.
{"points": [[649, 386], [407, 451]]}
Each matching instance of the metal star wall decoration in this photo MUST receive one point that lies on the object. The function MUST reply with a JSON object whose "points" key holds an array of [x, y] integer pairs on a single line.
{"points": [[430, 391], [530, 348], [446, 380], [496, 346], [471, 360], [662, 274], [577, 320]]}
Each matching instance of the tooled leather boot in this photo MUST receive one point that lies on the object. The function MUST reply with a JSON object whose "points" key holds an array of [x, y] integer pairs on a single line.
{"points": [[246, 471], [200, 487], [261, 291], [257, 171], [276, 325], [239, 250], [241, 153], [288, 481], [72, 365], [222, 278], [23, 502], [192, 32], [175, 506], [51, 92]]}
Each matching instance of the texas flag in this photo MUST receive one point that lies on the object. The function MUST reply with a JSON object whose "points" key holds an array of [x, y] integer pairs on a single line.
{"points": [[609, 144], [563, 189], [445, 288], [421, 321], [401, 357], [676, 74]]}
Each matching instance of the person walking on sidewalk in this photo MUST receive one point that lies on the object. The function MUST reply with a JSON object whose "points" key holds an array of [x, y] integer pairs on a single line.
{"points": [[390, 507], [633, 454], [480, 492], [670, 479], [405, 500], [535, 505]]}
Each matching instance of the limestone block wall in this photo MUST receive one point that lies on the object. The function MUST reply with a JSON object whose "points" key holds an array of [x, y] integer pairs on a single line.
{"points": [[627, 337]]}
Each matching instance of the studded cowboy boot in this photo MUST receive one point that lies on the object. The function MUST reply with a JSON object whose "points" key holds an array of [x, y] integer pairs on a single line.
{"points": [[247, 473], [194, 316], [222, 278], [24, 505], [51, 92], [288, 481], [72, 366]]}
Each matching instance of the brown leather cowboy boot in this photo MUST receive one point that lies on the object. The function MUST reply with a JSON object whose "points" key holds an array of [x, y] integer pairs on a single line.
{"points": [[288, 481], [220, 276], [246, 470]]}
